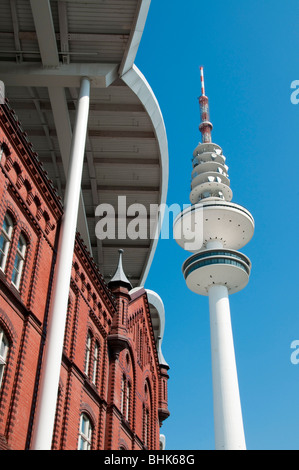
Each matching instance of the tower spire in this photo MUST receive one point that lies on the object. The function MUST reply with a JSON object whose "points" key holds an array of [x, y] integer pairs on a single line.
{"points": [[205, 126], [119, 277]]}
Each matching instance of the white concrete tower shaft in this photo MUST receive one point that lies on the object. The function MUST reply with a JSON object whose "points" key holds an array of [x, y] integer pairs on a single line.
{"points": [[228, 421]]}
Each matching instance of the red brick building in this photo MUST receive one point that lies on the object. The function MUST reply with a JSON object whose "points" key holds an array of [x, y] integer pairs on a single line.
{"points": [[113, 380]]}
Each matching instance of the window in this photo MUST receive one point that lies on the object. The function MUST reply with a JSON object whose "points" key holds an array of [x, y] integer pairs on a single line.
{"points": [[140, 346], [125, 398], [146, 426], [3, 353], [92, 357], [85, 433], [128, 401], [123, 312], [147, 415], [4, 149], [5, 240], [122, 395], [95, 362], [19, 262], [87, 355]]}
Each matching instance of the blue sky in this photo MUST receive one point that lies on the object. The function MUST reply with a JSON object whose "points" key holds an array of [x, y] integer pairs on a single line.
{"points": [[249, 51]]}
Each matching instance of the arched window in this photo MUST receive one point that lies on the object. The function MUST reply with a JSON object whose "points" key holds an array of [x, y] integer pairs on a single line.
{"points": [[125, 398], [4, 149], [95, 362], [3, 353], [85, 433], [87, 353], [147, 430], [92, 358], [128, 401], [122, 395], [5, 240], [146, 426], [123, 312], [19, 262], [140, 346]]}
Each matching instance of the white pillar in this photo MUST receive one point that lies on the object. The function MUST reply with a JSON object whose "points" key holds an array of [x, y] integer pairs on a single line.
{"points": [[49, 382], [228, 422]]}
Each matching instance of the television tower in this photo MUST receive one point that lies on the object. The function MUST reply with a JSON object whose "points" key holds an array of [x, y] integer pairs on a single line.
{"points": [[216, 269]]}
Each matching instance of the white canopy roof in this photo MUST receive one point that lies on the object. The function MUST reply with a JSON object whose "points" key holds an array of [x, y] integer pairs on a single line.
{"points": [[46, 47]]}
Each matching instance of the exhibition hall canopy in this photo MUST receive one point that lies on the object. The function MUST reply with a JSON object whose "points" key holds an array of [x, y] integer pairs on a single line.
{"points": [[46, 48]]}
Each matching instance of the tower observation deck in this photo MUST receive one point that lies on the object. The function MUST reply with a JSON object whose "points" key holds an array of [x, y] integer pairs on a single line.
{"points": [[217, 269]]}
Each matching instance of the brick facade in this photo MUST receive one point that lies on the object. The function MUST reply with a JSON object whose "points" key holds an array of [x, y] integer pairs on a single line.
{"points": [[111, 382]]}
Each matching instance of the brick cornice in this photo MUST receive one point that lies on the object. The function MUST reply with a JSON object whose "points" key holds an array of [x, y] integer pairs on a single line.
{"points": [[24, 148]]}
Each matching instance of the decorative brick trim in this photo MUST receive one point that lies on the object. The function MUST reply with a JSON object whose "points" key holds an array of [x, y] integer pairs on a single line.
{"points": [[66, 412], [74, 332], [18, 377], [37, 261], [12, 338], [58, 417], [24, 148]]}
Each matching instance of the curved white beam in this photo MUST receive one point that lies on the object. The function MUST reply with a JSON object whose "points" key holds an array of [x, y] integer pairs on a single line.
{"points": [[155, 301], [135, 37], [139, 85]]}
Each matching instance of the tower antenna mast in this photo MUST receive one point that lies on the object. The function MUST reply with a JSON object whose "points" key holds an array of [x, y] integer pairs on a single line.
{"points": [[202, 81], [205, 126]]}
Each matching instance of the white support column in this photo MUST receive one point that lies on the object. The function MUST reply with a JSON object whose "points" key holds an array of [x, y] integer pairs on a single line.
{"points": [[228, 422], [47, 395]]}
